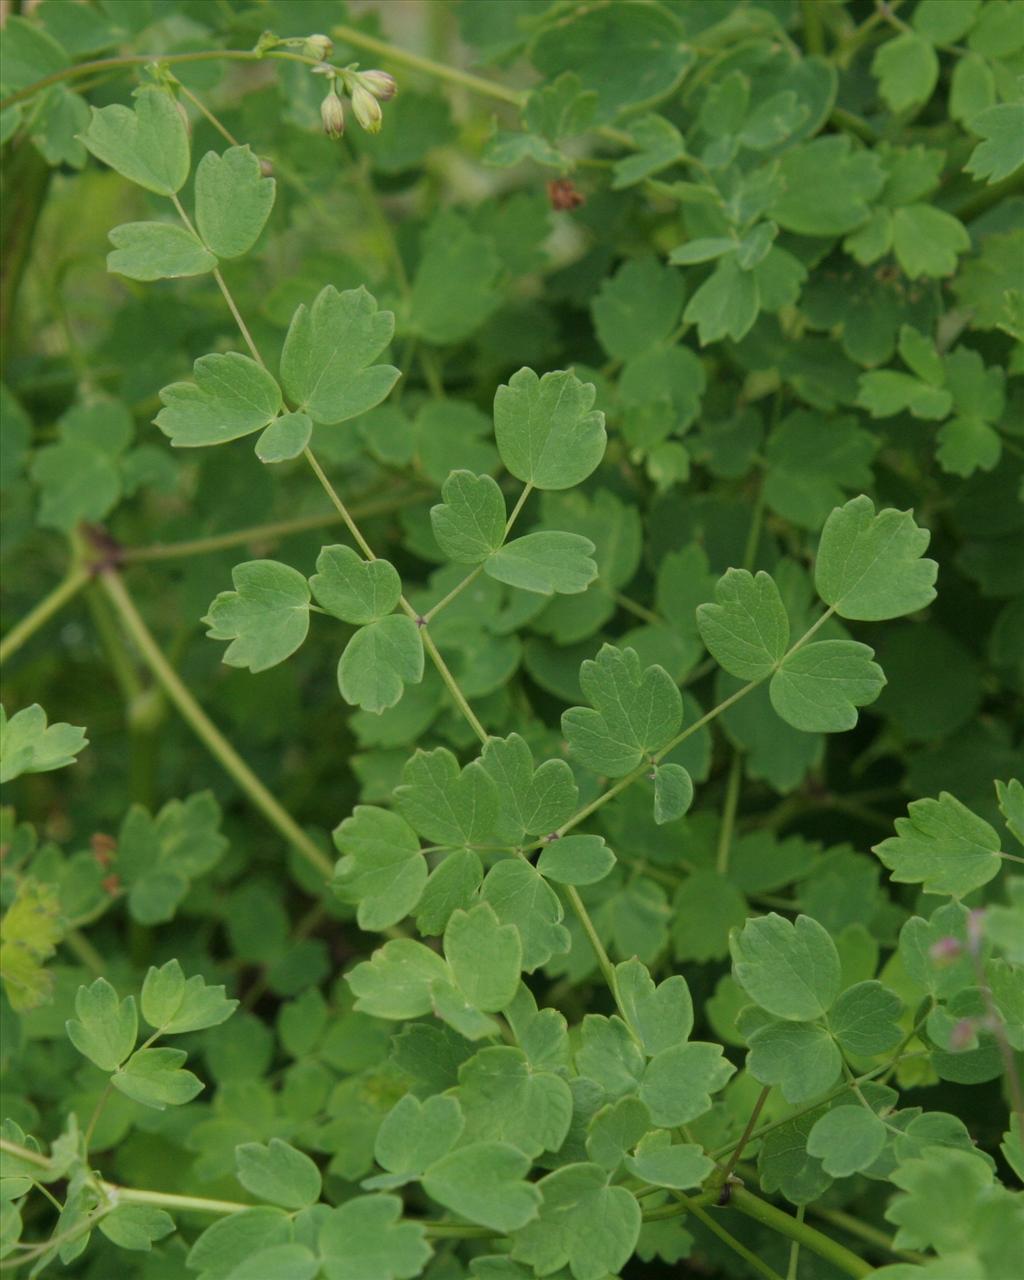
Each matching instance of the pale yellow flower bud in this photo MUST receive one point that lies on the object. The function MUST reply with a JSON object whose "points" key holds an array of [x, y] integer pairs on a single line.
{"points": [[332, 114], [318, 46], [366, 108], [380, 84]]}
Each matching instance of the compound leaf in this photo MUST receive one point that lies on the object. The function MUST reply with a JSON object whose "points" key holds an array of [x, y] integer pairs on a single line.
{"points": [[29, 745], [366, 1239]]}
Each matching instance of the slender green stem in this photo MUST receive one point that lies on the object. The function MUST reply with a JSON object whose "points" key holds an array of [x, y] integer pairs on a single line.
{"points": [[204, 110], [80, 946], [52, 604], [769, 1216], [732, 797], [814, 31], [748, 1129], [637, 609], [339, 506], [715, 1227], [864, 1231], [458, 697], [456, 591], [794, 1248], [121, 665], [208, 733]]}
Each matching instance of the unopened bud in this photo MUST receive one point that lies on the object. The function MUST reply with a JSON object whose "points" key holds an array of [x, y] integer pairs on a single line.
{"points": [[366, 109], [379, 83], [318, 46], [266, 167], [945, 951], [332, 114]]}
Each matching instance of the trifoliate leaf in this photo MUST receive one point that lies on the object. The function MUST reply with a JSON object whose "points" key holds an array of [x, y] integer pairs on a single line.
{"points": [[545, 563], [470, 523], [104, 1028], [927, 241], [353, 589], [379, 661], [485, 957], [660, 1015], [576, 860], [158, 856], [233, 201], [136, 1226], [28, 745], [865, 1019], [746, 630], [635, 712], [486, 1183], [326, 363], [366, 1239], [662, 1164], [266, 617], [414, 1135], [454, 288], [726, 304], [278, 1173], [819, 687], [801, 1058], [907, 69], [506, 1099], [828, 187], [673, 792], [156, 1078], [447, 805], [148, 145], [531, 801], [846, 1140], [1002, 152], [942, 846], [637, 307], [395, 982], [157, 251], [522, 897], [869, 566], [285, 438], [383, 870], [548, 433], [174, 1005], [678, 1082], [232, 396], [790, 969]]}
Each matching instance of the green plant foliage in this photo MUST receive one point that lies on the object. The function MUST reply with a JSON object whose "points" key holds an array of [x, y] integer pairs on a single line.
{"points": [[591, 846]]}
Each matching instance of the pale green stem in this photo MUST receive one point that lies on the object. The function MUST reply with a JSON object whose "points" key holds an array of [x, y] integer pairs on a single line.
{"points": [[732, 797], [727, 1238], [794, 1248], [769, 1216], [52, 604]]}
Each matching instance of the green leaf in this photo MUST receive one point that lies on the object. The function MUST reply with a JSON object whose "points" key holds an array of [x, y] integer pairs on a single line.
{"points": [[366, 1239], [30, 929], [1011, 805], [907, 69], [809, 469], [681, 1166], [967, 445], [746, 630], [155, 1078], [726, 304], [105, 1028], [232, 396], [575, 1199], [790, 970], [413, 1136], [819, 687], [174, 1005], [828, 187], [353, 589], [80, 477], [485, 957], [927, 241], [945, 21], [576, 860], [865, 1019], [942, 846], [939, 1186], [635, 712], [30, 54], [282, 1261], [886, 392], [673, 792], [522, 897], [157, 857], [285, 438], [679, 1081], [801, 1058], [470, 522], [444, 804], [548, 433], [506, 1099], [847, 1139], [266, 617], [136, 1226], [454, 288], [233, 201], [395, 982], [28, 745], [545, 563], [157, 251], [662, 1015], [379, 661], [486, 1183], [326, 363], [1002, 151], [383, 870], [869, 566], [148, 145], [705, 908], [532, 801], [658, 144], [637, 307], [278, 1173]]}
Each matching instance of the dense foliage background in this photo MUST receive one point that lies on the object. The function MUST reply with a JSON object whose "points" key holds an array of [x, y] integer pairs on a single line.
{"points": [[783, 242]]}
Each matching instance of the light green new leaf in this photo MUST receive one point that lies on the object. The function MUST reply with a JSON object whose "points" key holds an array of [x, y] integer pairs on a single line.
{"points": [[413, 1136], [635, 712], [278, 1173], [1002, 152], [366, 1239], [157, 251], [819, 687], [486, 1183], [395, 982], [658, 1162], [660, 1015], [383, 870], [285, 438], [485, 957], [266, 617], [869, 566], [790, 970], [174, 1005], [155, 1078], [444, 804], [379, 661], [846, 1140], [470, 523], [232, 396], [326, 363], [907, 69], [746, 630], [576, 860], [531, 801], [545, 563], [28, 745], [548, 432], [522, 897], [865, 1019], [800, 1058], [679, 1081], [942, 846], [136, 1226], [147, 145], [233, 201], [673, 792], [353, 589], [104, 1028]]}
